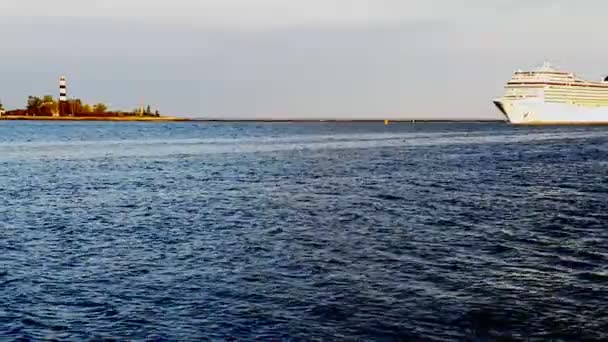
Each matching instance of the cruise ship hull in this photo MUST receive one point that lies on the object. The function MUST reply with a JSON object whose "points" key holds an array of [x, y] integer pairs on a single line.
{"points": [[537, 112]]}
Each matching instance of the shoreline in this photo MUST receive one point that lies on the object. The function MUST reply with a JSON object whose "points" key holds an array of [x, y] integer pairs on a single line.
{"points": [[93, 118], [381, 121], [201, 120]]}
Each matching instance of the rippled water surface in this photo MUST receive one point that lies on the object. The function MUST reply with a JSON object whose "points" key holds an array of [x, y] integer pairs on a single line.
{"points": [[303, 231]]}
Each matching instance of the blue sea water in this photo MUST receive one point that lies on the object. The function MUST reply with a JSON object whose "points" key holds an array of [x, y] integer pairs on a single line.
{"points": [[315, 231]]}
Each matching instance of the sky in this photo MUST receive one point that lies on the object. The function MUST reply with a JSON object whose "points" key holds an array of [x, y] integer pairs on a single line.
{"points": [[294, 59]]}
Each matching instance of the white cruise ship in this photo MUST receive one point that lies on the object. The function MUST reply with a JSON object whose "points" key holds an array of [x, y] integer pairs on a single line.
{"points": [[550, 96]]}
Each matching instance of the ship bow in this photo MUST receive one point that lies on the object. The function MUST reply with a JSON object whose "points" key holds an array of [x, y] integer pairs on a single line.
{"points": [[499, 103]]}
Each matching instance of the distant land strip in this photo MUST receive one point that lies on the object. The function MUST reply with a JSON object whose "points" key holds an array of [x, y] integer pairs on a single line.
{"points": [[93, 118], [133, 118], [351, 120]]}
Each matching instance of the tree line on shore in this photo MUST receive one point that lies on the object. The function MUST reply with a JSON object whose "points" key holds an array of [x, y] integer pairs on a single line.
{"points": [[48, 106]]}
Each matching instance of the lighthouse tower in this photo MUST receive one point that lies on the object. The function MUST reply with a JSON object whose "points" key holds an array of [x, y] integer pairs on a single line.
{"points": [[63, 95]]}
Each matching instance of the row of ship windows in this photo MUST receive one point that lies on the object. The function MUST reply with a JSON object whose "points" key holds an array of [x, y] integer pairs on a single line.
{"points": [[587, 97], [589, 102], [577, 98], [528, 83], [545, 79], [593, 97], [567, 91], [577, 91], [578, 102], [584, 104], [564, 98]]}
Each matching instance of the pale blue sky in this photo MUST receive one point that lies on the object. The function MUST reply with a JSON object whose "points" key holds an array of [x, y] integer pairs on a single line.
{"points": [[306, 59]]}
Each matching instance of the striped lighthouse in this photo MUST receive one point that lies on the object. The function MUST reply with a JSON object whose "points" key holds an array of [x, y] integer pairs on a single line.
{"points": [[63, 94]]}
